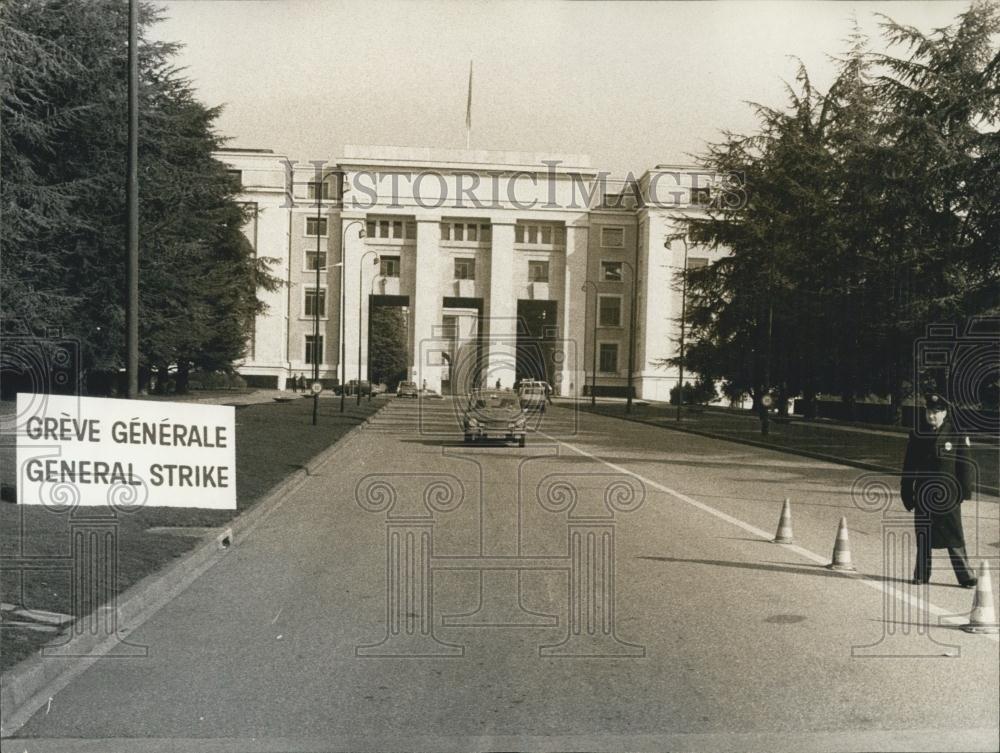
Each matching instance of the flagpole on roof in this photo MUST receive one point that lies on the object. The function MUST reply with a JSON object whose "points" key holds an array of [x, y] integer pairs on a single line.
{"points": [[468, 112]]}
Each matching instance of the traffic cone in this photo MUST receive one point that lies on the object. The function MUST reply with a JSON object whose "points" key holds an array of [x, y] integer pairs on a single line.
{"points": [[984, 617], [841, 549], [784, 534]]}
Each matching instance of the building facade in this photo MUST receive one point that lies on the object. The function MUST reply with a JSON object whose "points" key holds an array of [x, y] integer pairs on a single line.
{"points": [[489, 267]]}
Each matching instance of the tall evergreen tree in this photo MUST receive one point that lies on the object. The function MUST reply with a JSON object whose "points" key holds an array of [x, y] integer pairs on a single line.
{"points": [[63, 193]]}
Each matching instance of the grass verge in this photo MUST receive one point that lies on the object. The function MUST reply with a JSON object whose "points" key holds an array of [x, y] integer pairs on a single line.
{"points": [[272, 441], [838, 442]]}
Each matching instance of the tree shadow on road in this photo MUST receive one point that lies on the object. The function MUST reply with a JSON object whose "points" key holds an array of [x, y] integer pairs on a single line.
{"points": [[775, 567]]}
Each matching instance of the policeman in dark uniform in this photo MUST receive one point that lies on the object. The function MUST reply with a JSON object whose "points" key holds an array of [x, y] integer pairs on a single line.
{"points": [[937, 478]]}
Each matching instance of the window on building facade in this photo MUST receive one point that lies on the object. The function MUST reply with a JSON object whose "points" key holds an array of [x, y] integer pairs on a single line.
{"points": [[475, 232], [538, 271], [608, 358], [611, 271], [539, 234], [697, 262], [390, 228], [314, 349], [236, 176], [465, 269], [613, 237], [315, 302], [312, 256], [328, 191], [315, 226], [389, 266], [609, 311]]}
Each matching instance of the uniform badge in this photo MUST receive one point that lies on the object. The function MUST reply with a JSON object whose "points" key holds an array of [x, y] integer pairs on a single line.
{"points": [[947, 446]]}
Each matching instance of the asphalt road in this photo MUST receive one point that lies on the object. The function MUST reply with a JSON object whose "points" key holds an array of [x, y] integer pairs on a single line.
{"points": [[611, 586]]}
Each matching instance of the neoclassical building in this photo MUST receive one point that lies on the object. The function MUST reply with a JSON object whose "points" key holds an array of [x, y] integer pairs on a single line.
{"points": [[496, 266]]}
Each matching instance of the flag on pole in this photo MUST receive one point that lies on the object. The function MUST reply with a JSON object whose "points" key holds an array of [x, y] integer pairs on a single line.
{"points": [[468, 111]]}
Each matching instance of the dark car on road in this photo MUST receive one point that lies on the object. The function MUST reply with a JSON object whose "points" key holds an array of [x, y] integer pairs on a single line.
{"points": [[407, 389], [353, 387], [494, 414]]}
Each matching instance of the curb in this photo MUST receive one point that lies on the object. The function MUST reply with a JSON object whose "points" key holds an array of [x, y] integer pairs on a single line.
{"points": [[21, 686], [836, 460]]}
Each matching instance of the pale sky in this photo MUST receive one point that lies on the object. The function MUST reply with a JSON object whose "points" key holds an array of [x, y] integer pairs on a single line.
{"points": [[630, 84]]}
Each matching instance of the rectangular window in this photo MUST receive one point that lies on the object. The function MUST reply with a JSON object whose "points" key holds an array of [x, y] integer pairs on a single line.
{"points": [[315, 226], [611, 271], [383, 228], [445, 231], [458, 232], [697, 262], [315, 301], [397, 229], [538, 271], [327, 189], [411, 230], [472, 232], [608, 357], [485, 233], [236, 177], [609, 311], [389, 266], [311, 257], [538, 234], [612, 237], [465, 269], [314, 350], [370, 226]]}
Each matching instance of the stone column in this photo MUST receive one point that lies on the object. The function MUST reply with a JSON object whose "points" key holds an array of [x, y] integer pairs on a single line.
{"points": [[425, 311], [501, 308], [576, 303], [347, 275]]}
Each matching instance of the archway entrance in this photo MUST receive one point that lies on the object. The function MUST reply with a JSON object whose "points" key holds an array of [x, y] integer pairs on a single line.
{"points": [[537, 331], [388, 339]]}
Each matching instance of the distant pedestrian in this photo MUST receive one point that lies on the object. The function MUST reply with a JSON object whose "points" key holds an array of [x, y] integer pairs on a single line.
{"points": [[548, 392], [937, 478], [302, 381], [294, 381], [498, 384]]}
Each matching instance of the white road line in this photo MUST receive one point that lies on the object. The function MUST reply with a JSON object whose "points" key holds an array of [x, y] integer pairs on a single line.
{"points": [[945, 616]]}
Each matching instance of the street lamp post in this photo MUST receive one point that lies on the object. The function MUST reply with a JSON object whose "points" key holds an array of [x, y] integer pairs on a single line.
{"points": [[593, 369], [316, 350], [361, 268], [343, 299]]}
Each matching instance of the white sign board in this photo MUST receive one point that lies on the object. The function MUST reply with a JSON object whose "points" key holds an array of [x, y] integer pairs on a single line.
{"points": [[130, 453]]}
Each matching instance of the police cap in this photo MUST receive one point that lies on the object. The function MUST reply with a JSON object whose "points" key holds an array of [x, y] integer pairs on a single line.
{"points": [[934, 402]]}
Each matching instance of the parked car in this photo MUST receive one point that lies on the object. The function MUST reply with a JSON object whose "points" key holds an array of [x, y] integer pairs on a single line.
{"points": [[407, 389], [532, 395], [494, 414]]}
